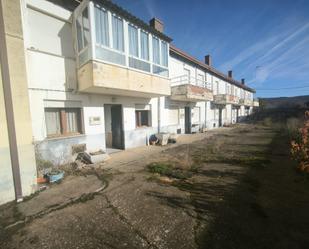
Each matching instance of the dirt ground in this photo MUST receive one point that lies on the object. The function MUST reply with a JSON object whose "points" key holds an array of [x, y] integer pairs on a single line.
{"points": [[242, 191]]}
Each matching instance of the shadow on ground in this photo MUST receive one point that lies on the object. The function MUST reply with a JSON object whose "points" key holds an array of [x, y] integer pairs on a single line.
{"points": [[245, 201]]}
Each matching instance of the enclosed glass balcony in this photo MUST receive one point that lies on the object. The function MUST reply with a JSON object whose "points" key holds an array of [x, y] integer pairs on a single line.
{"points": [[115, 55]]}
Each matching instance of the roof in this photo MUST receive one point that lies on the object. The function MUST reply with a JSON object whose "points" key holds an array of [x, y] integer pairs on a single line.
{"points": [[135, 20], [208, 68]]}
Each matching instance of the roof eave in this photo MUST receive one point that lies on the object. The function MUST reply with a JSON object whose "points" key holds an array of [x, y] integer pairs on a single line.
{"points": [[184, 55], [135, 20]]}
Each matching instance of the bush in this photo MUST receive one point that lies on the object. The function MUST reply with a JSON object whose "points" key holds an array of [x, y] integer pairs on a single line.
{"points": [[300, 146]]}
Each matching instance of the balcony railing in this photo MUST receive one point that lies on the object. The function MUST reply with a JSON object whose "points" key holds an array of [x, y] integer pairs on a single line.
{"points": [[186, 79]]}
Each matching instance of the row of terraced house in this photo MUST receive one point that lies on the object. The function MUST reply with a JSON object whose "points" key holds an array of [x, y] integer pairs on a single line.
{"points": [[89, 72]]}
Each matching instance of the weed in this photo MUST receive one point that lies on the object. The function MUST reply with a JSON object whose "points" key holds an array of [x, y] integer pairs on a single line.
{"points": [[165, 169]]}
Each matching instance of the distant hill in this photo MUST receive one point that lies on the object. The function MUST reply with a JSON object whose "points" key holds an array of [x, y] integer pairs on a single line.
{"points": [[285, 102]]}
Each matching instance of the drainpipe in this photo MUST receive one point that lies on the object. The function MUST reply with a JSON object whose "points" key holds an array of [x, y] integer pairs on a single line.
{"points": [[8, 103]]}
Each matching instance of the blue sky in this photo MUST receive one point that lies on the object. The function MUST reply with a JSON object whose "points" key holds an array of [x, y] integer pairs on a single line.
{"points": [[265, 42]]}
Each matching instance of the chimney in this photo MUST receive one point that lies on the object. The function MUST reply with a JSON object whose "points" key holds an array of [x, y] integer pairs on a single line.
{"points": [[243, 81], [208, 60], [230, 74], [157, 24]]}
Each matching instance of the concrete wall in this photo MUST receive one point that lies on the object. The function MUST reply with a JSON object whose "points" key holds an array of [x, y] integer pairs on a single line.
{"points": [[6, 179], [14, 39]]}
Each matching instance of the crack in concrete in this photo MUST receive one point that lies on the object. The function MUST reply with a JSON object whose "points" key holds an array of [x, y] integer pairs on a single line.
{"points": [[83, 198], [125, 220]]}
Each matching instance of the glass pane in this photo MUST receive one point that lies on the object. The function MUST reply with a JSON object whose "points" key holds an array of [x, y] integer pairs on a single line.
{"points": [[133, 43], [164, 54], [144, 46], [79, 34], [117, 34], [111, 56], [101, 27], [156, 50], [52, 120], [72, 121], [160, 70], [86, 27]]}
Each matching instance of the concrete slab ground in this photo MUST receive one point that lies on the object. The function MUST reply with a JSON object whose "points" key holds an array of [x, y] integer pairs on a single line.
{"points": [[70, 190], [243, 193]]}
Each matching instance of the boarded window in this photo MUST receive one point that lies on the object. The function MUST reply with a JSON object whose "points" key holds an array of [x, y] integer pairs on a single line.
{"points": [[63, 121]]}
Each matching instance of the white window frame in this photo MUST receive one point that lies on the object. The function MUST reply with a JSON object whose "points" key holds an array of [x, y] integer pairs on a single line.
{"points": [[93, 42]]}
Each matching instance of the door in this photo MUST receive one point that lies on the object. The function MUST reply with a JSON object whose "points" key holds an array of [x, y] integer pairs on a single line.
{"points": [[117, 132], [220, 117], [188, 120]]}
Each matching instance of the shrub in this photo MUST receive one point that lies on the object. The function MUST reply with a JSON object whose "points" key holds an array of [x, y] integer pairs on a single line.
{"points": [[300, 146]]}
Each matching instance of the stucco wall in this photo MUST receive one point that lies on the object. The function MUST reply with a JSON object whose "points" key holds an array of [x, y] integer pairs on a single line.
{"points": [[14, 40], [6, 178]]}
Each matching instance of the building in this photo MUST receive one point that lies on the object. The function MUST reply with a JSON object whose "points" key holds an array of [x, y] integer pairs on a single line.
{"points": [[89, 72]]}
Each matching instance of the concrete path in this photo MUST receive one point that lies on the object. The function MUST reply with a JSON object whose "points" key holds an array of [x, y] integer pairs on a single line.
{"points": [[73, 188]]}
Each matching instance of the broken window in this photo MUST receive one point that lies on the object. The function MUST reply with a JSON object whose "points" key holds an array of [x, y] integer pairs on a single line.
{"points": [[63, 121], [142, 118]]}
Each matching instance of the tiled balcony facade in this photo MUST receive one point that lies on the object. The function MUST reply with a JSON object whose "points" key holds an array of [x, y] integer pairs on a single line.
{"points": [[224, 99], [189, 89]]}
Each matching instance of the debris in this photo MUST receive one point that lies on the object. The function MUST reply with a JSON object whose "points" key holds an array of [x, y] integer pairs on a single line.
{"points": [[55, 176], [99, 156], [163, 138], [98, 152], [41, 179], [84, 157], [173, 138], [153, 140], [78, 148]]}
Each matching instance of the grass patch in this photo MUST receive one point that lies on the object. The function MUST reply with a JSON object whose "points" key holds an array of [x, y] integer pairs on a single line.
{"points": [[166, 169], [229, 158]]}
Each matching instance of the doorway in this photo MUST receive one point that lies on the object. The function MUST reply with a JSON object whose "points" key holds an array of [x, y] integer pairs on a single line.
{"points": [[220, 117], [113, 126], [188, 120]]}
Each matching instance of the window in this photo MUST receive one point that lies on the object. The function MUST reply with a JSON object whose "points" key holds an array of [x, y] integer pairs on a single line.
{"points": [[200, 80], [144, 46], [188, 75], [62, 121], [228, 90], [101, 26], [133, 41], [142, 118], [86, 27], [83, 30], [156, 50], [117, 24], [164, 54]]}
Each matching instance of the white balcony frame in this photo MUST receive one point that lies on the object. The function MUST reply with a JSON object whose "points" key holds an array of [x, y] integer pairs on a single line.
{"points": [[92, 46]]}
